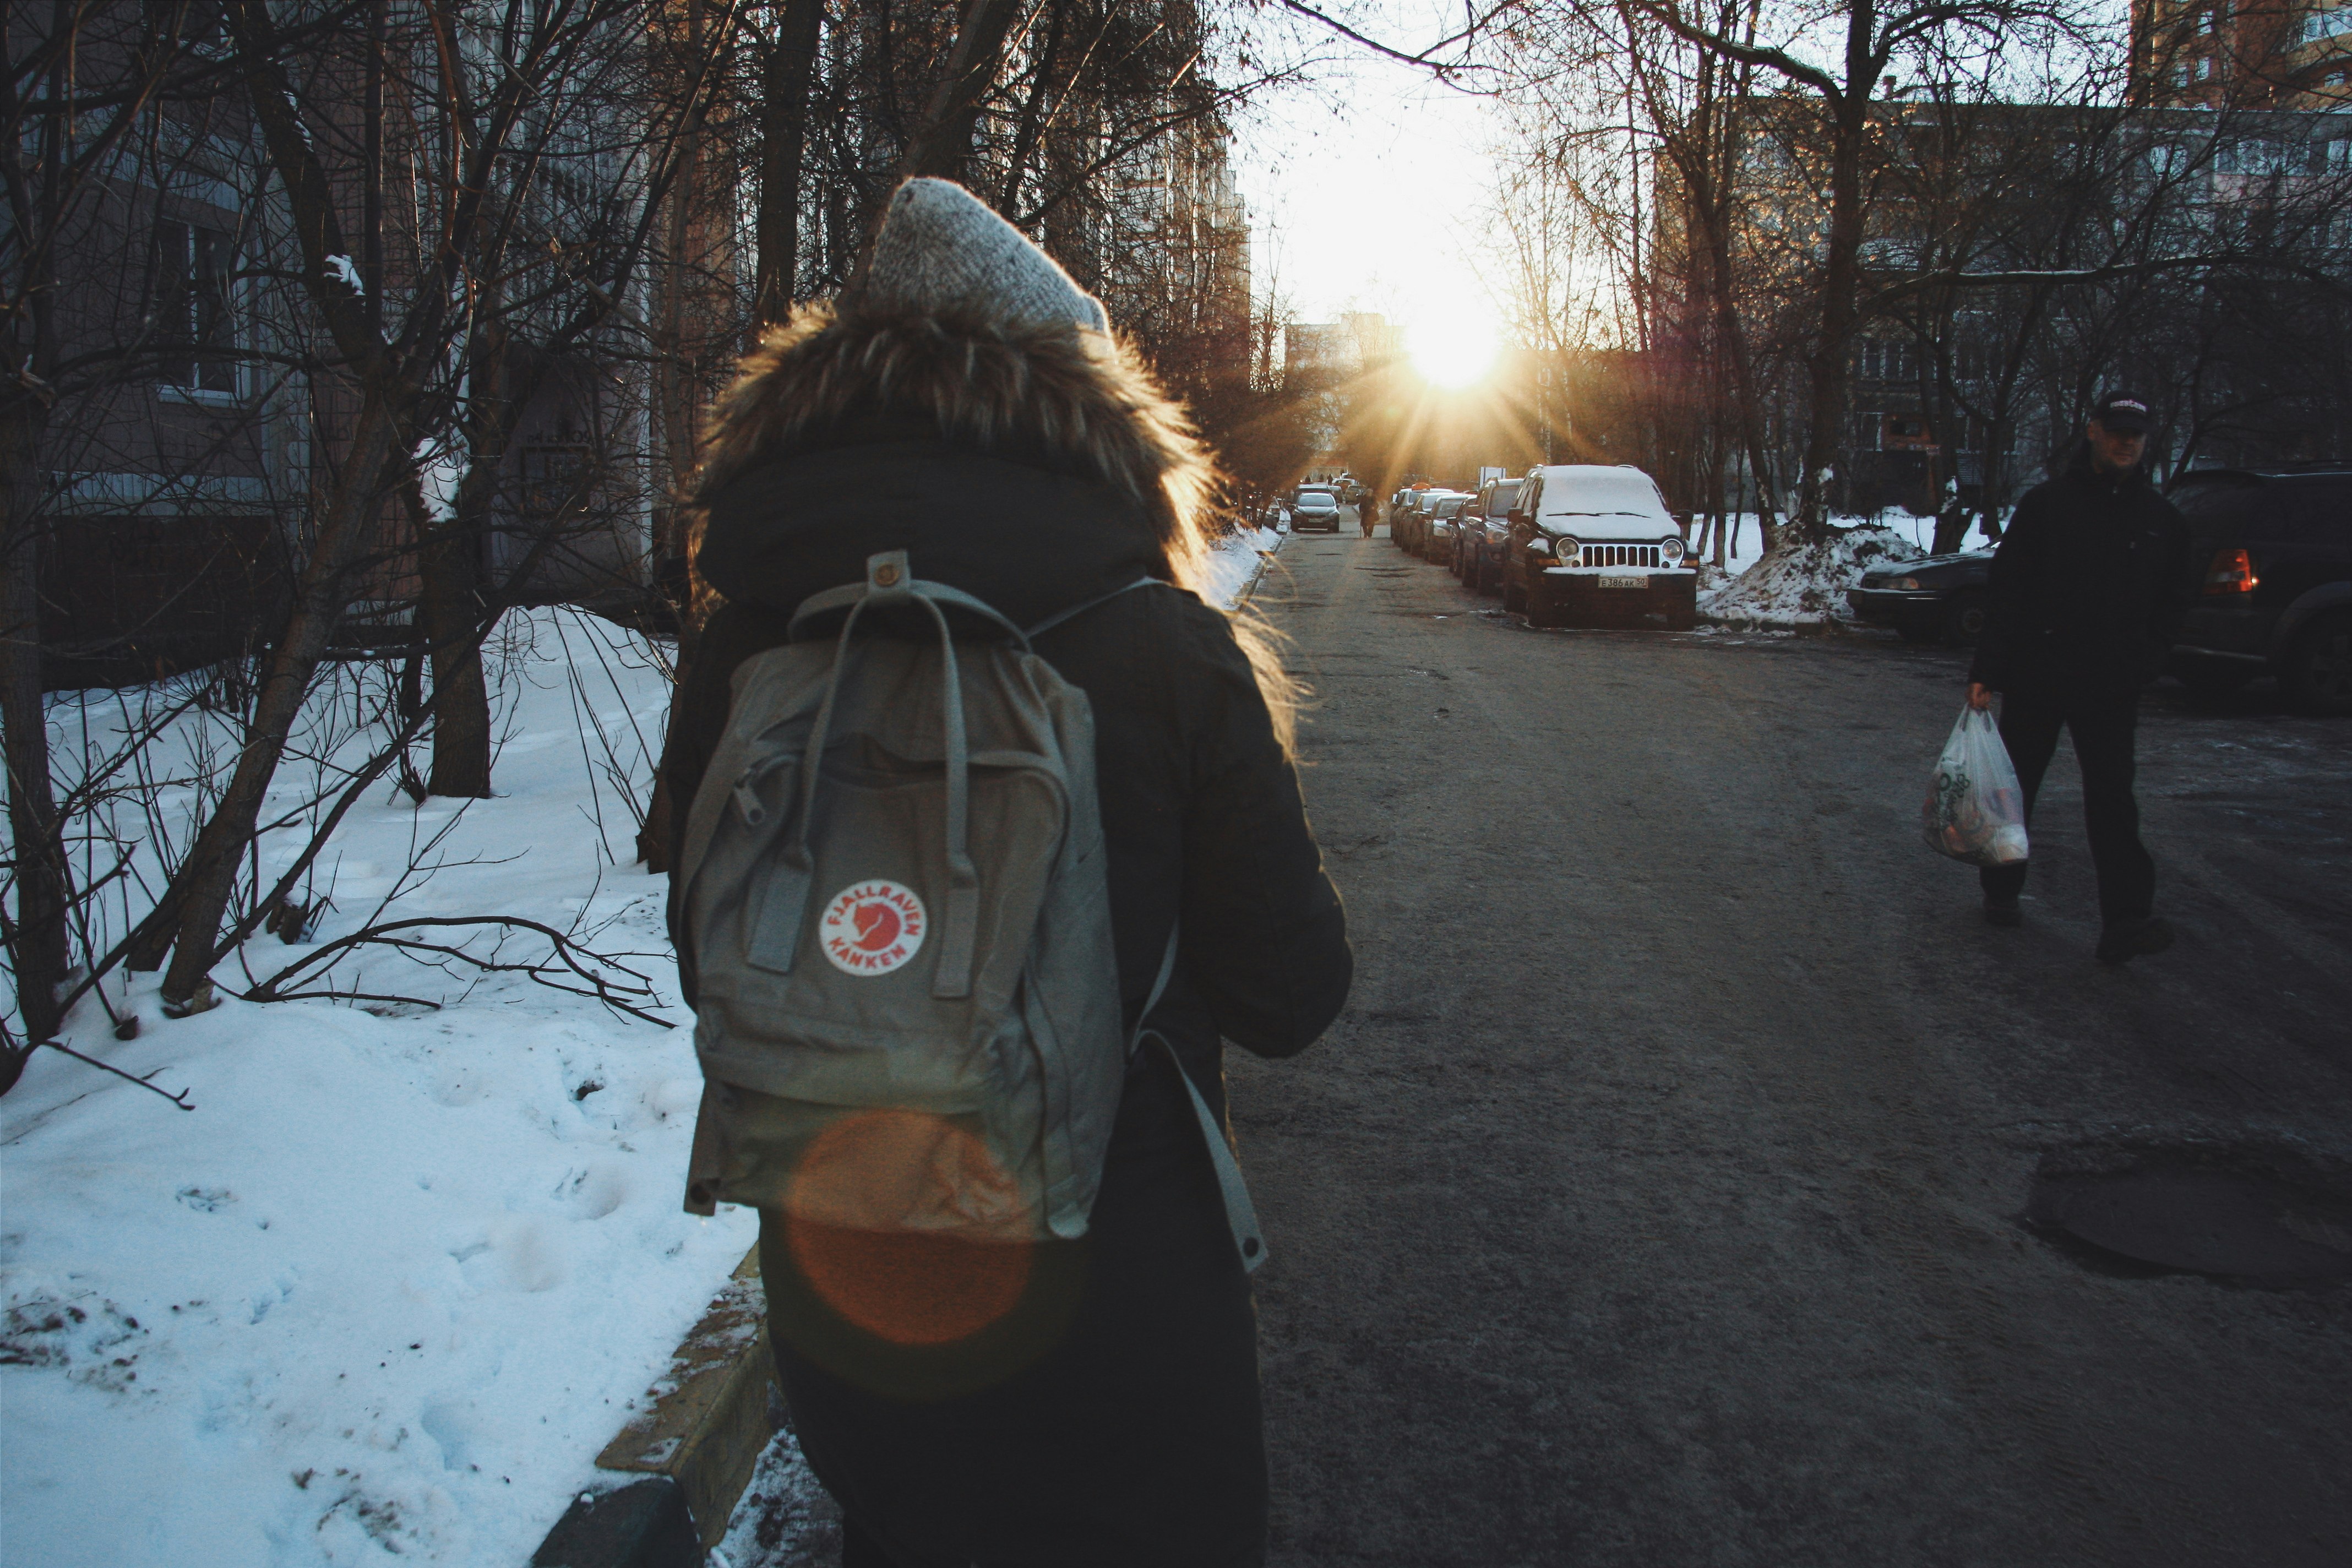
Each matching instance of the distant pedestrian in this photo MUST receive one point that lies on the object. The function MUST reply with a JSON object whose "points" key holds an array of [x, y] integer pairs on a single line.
{"points": [[2087, 589], [1062, 1403]]}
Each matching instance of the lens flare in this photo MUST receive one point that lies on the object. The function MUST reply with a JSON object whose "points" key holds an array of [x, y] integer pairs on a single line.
{"points": [[907, 1226], [1454, 348]]}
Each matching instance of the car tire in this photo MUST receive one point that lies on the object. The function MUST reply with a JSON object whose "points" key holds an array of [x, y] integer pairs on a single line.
{"points": [[1964, 619], [1490, 576], [1515, 595], [1542, 609], [2317, 671]]}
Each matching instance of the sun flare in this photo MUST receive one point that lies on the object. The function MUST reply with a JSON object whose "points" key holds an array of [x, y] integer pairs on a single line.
{"points": [[1454, 348]]}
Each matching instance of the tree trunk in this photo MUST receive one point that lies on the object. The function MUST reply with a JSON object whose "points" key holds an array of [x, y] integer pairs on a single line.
{"points": [[783, 131], [942, 145], [1849, 117], [190, 914], [452, 604], [37, 934], [1032, 113], [449, 611]]}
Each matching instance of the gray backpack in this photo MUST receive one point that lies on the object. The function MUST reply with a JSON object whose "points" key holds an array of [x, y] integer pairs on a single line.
{"points": [[892, 887]]}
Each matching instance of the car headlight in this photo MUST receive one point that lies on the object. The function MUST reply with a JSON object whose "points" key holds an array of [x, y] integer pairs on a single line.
{"points": [[1567, 549], [1670, 549], [1909, 584]]}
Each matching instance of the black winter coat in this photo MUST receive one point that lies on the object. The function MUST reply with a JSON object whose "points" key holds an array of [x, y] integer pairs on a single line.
{"points": [[2088, 587], [1112, 1416]]}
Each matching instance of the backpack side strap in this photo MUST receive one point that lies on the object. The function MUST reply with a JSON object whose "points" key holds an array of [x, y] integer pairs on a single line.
{"points": [[1241, 1215]]}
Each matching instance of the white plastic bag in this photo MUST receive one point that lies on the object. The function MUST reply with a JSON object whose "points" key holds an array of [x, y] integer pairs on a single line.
{"points": [[1974, 810]]}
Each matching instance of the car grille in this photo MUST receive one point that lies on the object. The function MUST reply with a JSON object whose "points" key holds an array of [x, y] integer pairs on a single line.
{"points": [[1619, 555]]}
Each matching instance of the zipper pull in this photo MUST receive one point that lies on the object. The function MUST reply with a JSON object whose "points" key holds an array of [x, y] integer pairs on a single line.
{"points": [[747, 800]]}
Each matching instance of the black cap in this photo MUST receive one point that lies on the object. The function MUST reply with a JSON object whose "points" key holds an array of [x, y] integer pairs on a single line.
{"points": [[2123, 414]]}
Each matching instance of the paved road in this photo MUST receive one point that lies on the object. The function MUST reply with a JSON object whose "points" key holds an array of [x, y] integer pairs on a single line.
{"points": [[1657, 1200]]}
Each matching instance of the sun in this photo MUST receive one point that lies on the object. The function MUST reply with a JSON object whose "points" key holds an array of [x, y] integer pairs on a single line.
{"points": [[1454, 348]]}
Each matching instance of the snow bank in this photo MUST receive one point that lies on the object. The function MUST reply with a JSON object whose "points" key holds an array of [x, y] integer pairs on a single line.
{"points": [[1802, 586], [389, 1288], [1235, 561]]}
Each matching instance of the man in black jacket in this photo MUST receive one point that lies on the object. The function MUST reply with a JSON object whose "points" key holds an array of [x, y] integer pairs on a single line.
{"points": [[2087, 590]]}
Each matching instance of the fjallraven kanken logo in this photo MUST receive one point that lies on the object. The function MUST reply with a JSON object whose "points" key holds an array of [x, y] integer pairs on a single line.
{"points": [[873, 928]]}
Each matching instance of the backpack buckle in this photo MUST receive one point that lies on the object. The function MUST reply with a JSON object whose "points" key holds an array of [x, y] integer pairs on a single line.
{"points": [[886, 571]]}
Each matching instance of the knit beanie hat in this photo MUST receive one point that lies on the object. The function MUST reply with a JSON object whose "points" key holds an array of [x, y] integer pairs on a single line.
{"points": [[942, 247]]}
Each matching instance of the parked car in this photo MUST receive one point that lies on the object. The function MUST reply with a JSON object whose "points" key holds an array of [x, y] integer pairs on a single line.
{"points": [[1595, 546], [1482, 535], [1314, 507], [1400, 514], [2273, 548], [1423, 514], [1437, 533], [1938, 598], [1410, 527]]}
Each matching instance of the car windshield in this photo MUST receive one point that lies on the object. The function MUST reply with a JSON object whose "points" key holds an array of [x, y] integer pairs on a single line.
{"points": [[1603, 493], [1505, 496], [1448, 507]]}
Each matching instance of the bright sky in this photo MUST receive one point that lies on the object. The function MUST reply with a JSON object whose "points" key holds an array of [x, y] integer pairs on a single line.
{"points": [[1368, 192]]}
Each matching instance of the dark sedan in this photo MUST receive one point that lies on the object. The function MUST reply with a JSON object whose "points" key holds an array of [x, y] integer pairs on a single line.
{"points": [[1939, 598], [1483, 535]]}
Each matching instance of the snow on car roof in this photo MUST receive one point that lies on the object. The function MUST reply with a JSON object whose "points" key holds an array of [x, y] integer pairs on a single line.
{"points": [[1589, 489]]}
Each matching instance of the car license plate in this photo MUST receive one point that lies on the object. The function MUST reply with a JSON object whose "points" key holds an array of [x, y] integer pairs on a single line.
{"points": [[1624, 581]]}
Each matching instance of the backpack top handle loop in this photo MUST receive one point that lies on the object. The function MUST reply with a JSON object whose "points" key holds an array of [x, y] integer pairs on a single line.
{"points": [[889, 580]]}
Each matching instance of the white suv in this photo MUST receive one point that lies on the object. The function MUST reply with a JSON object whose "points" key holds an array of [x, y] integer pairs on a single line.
{"points": [[1595, 546]]}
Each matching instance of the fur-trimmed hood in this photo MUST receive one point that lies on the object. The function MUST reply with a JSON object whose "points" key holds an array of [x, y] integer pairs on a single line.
{"points": [[1031, 465]]}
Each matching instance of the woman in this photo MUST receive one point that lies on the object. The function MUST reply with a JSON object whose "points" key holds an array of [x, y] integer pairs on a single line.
{"points": [[966, 404]]}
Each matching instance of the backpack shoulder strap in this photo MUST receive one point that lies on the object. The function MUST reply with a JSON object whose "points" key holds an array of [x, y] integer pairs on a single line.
{"points": [[1075, 611], [1241, 1215]]}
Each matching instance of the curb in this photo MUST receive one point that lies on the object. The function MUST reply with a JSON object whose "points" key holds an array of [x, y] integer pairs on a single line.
{"points": [[1249, 589], [1824, 628], [695, 1444]]}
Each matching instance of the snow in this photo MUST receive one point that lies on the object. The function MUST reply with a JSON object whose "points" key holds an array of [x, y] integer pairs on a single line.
{"points": [[1802, 586], [1235, 562], [393, 1282], [341, 270], [785, 1519]]}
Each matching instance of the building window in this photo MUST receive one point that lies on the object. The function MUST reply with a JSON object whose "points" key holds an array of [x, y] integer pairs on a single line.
{"points": [[1884, 360], [196, 336], [556, 480]]}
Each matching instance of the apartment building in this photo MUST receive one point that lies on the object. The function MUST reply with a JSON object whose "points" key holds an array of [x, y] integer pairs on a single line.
{"points": [[2249, 53]]}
